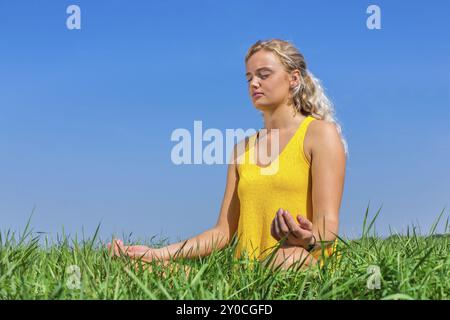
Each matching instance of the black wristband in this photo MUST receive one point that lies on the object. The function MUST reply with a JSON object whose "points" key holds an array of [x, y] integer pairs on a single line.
{"points": [[312, 246]]}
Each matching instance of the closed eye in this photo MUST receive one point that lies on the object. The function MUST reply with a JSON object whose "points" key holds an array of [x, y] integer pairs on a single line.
{"points": [[263, 77]]}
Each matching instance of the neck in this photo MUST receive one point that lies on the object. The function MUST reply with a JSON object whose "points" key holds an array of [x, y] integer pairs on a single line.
{"points": [[282, 118]]}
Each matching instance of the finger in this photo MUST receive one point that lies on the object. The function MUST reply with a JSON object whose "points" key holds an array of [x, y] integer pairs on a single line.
{"points": [[272, 229], [276, 228], [283, 227], [123, 249], [119, 247], [304, 222], [292, 225], [120, 244], [112, 247], [110, 251], [116, 248]]}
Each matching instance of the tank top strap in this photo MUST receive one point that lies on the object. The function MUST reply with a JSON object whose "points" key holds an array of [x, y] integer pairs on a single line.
{"points": [[299, 137], [303, 127]]}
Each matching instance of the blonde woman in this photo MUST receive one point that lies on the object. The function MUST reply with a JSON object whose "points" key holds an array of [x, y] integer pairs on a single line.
{"points": [[297, 199]]}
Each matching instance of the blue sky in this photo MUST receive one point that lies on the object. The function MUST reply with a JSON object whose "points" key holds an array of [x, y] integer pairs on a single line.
{"points": [[86, 115]]}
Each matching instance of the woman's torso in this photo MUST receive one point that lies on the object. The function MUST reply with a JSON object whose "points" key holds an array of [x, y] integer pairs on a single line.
{"points": [[263, 189]]}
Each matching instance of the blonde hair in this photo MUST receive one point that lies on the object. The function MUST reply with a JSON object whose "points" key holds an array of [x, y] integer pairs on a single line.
{"points": [[308, 96]]}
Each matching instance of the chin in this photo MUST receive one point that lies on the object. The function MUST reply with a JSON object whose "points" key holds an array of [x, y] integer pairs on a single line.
{"points": [[262, 106]]}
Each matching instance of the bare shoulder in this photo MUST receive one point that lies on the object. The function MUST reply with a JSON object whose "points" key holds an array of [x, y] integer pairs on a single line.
{"points": [[319, 135]]}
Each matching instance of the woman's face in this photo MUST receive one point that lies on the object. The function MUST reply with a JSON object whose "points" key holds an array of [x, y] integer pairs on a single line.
{"points": [[265, 74]]}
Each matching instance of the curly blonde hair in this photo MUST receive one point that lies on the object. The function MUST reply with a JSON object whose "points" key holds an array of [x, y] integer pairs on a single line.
{"points": [[308, 97]]}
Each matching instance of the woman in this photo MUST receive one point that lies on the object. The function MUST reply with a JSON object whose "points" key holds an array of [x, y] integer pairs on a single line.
{"points": [[294, 195]]}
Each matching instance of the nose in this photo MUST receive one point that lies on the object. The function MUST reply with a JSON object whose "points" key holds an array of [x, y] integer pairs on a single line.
{"points": [[254, 83]]}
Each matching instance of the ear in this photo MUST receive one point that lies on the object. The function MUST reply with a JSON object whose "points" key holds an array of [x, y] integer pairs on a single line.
{"points": [[294, 78]]}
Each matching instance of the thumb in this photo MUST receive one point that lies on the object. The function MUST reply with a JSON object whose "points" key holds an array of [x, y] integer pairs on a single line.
{"points": [[305, 223]]}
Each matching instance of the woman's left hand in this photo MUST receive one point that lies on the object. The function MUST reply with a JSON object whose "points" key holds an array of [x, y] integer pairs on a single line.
{"points": [[298, 234]]}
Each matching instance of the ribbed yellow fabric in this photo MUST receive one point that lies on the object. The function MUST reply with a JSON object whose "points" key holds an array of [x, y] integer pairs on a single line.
{"points": [[285, 183]]}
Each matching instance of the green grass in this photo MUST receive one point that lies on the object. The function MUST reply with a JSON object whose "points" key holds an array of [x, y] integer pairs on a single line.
{"points": [[412, 266]]}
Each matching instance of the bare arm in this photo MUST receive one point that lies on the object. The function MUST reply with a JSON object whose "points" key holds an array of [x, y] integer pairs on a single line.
{"points": [[201, 245], [215, 238], [328, 173]]}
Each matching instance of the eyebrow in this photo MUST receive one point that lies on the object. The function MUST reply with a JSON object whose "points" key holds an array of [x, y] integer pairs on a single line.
{"points": [[262, 68]]}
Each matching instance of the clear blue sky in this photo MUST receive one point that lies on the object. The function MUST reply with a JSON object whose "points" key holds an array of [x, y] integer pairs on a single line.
{"points": [[86, 115]]}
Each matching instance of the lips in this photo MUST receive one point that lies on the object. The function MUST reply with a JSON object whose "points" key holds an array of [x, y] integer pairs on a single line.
{"points": [[257, 93]]}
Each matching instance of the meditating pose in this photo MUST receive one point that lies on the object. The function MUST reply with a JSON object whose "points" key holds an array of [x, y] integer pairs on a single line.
{"points": [[283, 203]]}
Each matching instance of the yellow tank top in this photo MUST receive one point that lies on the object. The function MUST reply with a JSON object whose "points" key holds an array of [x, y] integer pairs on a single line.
{"points": [[285, 183]]}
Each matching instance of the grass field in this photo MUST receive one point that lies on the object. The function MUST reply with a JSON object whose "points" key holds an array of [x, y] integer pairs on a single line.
{"points": [[409, 266]]}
